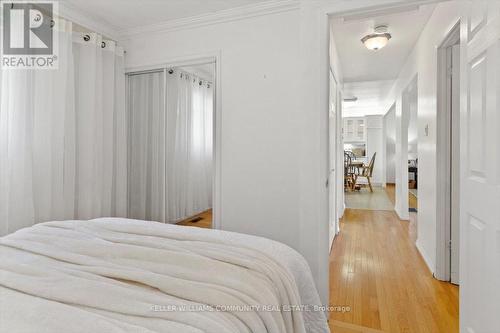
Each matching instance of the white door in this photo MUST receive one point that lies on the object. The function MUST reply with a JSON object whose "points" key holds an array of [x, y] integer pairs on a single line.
{"points": [[480, 168], [332, 150]]}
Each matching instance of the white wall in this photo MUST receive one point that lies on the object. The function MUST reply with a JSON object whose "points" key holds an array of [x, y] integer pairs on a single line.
{"points": [[270, 185], [390, 145], [422, 62], [259, 115], [413, 131]]}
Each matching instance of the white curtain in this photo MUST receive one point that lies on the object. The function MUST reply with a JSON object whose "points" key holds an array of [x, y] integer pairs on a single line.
{"points": [[147, 145], [58, 134], [170, 137], [100, 132]]}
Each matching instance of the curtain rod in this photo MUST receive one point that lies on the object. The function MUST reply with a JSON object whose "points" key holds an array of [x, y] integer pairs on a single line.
{"points": [[171, 65], [146, 72], [170, 70], [76, 27]]}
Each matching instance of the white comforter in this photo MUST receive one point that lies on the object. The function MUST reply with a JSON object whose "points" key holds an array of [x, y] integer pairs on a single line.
{"points": [[118, 275]]}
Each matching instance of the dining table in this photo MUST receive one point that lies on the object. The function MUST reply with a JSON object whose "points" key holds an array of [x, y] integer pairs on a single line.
{"points": [[357, 164], [354, 169]]}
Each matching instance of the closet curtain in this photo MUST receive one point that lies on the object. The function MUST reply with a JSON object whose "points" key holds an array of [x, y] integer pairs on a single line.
{"points": [[62, 134], [170, 138]]}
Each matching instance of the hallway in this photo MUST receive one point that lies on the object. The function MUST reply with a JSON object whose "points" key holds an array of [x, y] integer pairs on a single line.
{"points": [[376, 270]]}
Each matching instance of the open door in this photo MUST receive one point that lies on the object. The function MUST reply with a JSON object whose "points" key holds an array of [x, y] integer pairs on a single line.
{"points": [[480, 167]]}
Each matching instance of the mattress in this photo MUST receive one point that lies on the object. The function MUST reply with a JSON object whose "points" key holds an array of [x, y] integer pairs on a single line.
{"points": [[122, 275]]}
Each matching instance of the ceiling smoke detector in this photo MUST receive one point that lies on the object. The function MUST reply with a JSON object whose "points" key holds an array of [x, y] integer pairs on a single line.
{"points": [[378, 39]]}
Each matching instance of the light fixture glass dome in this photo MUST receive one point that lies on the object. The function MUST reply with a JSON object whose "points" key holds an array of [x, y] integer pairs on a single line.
{"points": [[378, 39]]}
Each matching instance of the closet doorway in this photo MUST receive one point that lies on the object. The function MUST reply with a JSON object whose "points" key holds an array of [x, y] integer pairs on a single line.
{"points": [[171, 112]]}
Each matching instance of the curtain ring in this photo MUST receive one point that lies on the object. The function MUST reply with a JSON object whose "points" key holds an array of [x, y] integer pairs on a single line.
{"points": [[171, 71], [201, 82], [103, 44], [52, 23], [86, 38]]}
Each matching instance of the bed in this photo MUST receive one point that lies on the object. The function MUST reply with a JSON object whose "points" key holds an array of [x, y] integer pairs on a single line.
{"points": [[121, 275]]}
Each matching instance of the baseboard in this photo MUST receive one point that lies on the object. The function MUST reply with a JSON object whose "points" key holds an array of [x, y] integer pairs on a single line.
{"points": [[428, 262], [402, 216], [334, 236], [332, 240]]}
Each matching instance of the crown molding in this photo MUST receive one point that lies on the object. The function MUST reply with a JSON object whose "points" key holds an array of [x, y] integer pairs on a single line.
{"points": [[228, 15], [88, 21]]}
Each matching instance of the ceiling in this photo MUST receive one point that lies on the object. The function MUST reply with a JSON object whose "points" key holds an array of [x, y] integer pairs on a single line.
{"points": [[360, 64], [371, 97], [130, 14]]}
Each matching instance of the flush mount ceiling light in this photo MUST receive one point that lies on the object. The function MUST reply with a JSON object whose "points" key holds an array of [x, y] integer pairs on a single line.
{"points": [[378, 39]]}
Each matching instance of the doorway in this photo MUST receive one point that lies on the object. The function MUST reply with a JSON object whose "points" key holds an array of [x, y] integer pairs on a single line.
{"points": [[386, 121], [412, 110], [448, 233], [172, 144]]}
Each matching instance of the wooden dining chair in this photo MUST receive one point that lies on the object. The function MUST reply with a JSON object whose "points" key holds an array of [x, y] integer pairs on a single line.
{"points": [[348, 171], [367, 172]]}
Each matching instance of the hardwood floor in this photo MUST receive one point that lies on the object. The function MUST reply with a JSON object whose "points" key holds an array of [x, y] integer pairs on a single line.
{"points": [[376, 270], [412, 201], [342, 327], [205, 222]]}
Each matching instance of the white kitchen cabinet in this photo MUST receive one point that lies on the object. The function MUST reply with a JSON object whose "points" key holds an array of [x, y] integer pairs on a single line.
{"points": [[354, 129]]}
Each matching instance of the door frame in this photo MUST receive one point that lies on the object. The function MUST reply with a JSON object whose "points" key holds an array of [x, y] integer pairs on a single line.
{"points": [[325, 13], [315, 63], [384, 148], [443, 161], [340, 160], [198, 59], [333, 212]]}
